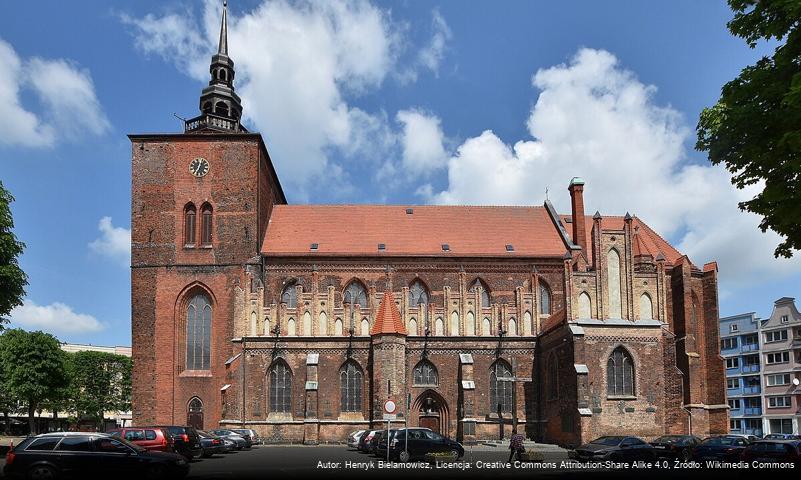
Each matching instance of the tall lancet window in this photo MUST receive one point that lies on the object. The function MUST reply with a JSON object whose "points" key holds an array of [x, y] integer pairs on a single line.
{"points": [[205, 231], [355, 294], [620, 374], [545, 299], [198, 333], [485, 297], [190, 213]]}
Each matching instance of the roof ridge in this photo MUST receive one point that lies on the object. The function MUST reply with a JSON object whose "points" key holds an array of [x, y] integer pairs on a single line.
{"points": [[413, 205]]}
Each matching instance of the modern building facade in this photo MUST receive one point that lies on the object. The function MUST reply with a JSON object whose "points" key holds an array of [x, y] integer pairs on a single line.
{"points": [[300, 321], [740, 349], [781, 357]]}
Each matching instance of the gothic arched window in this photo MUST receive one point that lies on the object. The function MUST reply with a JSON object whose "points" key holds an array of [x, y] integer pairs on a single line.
{"points": [[350, 388], [545, 299], [290, 296], [425, 374], [501, 387], [205, 224], [418, 295], [280, 388], [485, 298], [355, 293], [620, 374], [198, 333], [189, 224]]}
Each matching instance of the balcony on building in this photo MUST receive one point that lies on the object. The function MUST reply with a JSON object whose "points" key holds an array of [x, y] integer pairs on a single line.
{"points": [[750, 343]]}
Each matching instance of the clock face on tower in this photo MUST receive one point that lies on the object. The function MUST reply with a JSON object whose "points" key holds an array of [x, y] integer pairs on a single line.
{"points": [[199, 167]]}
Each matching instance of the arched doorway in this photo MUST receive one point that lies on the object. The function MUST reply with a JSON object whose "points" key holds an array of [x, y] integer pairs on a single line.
{"points": [[194, 414], [432, 412]]}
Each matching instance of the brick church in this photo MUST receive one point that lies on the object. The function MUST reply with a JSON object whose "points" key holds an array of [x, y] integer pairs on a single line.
{"points": [[300, 321]]}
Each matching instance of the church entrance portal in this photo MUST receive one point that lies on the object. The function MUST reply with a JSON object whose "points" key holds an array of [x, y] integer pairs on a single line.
{"points": [[432, 412]]}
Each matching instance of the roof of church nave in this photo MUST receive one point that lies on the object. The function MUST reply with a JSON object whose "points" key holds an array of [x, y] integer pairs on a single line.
{"points": [[432, 230]]}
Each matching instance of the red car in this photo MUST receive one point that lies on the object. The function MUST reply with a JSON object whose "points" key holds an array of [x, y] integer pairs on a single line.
{"points": [[151, 438]]}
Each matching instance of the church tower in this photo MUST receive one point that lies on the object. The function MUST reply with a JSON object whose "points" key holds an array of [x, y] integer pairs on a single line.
{"points": [[201, 200]]}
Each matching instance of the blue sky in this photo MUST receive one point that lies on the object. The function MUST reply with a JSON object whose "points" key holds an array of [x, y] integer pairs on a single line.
{"points": [[401, 102]]}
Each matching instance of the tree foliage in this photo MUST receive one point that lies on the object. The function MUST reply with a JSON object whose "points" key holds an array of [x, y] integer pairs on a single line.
{"points": [[755, 127], [12, 279], [32, 368], [99, 382]]}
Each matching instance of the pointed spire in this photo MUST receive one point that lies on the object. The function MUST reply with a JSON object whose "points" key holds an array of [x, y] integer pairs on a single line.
{"points": [[220, 106], [222, 48], [388, 318], [597, 215]]}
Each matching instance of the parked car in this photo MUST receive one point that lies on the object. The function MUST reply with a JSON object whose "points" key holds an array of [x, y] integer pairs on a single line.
{"points": [[238, 440], [254, 437], [247, 434], [89, 455], [371, 448], [353, 438], [364, 440], [773, 451], [421, 441], [151, 438], [750, 438], [386, 439], [720, 448], [678, 447], [185, 440], [211, 444], [782, 436], [617, 448]]}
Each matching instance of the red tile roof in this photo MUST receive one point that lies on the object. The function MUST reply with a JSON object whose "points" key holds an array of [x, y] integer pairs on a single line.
{"points": [[640, 247], [388, 318], [653, 243], [357, 230]]}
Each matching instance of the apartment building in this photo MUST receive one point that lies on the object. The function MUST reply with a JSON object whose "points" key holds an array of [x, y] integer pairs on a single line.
{"points": [[740, 347], [780, 346]]}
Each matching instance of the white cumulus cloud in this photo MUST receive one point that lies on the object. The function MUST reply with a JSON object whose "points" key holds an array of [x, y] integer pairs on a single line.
{"points": [[299, 65], [114, 242], [69, 106], [422, 142], [54, 318], [596, 120]]}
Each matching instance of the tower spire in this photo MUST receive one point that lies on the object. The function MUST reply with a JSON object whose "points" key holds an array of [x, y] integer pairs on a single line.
{"points": [[220, 106], [222, 48]]}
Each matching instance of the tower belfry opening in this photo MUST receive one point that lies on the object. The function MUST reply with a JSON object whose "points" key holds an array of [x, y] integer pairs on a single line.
{"points": [[220, 106]]}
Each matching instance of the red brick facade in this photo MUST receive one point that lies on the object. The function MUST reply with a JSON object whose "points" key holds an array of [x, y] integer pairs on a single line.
{"points": [[292, 357]]}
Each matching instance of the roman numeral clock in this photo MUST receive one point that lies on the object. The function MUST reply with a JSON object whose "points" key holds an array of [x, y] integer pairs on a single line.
{"points": [[199, 167]]}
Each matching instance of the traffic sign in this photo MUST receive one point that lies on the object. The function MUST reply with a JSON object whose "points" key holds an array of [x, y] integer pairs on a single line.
{"points": [[390, 416], [389, 406]]}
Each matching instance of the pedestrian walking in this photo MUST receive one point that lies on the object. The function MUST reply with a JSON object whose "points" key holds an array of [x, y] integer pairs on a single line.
{"points": [[516, 448]]}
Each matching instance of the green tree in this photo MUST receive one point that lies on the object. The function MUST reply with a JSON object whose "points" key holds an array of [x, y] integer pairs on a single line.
{"points": [[12, 279], [31, 368], [60, 400], [100, 382], [755, 127]]}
